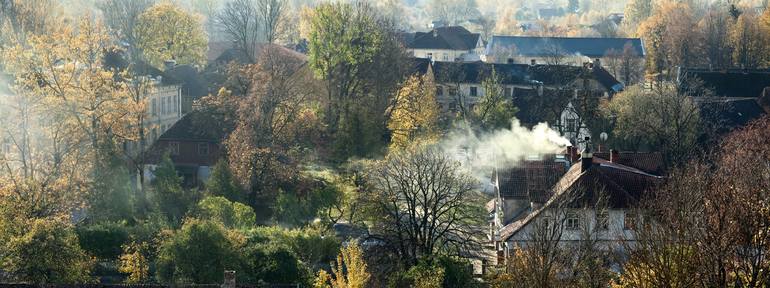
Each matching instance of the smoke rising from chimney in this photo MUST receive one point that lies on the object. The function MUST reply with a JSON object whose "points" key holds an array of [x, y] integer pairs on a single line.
{"points": [[504, 148]]}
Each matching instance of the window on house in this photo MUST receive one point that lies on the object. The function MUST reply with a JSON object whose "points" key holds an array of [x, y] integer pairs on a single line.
{"points": [[430, 55], [6, 146], [572, 221], [176, 104], [474, 91], [453, 91], [452, 106], [602, 220], [629, 221], [439, 91], [547, 222], [572, 125], [203, 149], [173, 148], [508, 92], [445, 57], [154, 105]]}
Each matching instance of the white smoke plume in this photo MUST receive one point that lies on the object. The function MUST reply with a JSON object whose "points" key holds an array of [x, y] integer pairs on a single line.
{"points": [[503, 148]]}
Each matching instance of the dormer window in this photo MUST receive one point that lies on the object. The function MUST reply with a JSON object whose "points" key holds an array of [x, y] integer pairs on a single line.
{"points": [[602, 221], [474, 91], [629, 221], [173, 148], [203, 149], [572, 221]]}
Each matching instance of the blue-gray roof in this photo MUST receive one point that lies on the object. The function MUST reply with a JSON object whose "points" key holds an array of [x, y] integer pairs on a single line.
{"points": [[544, 46]]}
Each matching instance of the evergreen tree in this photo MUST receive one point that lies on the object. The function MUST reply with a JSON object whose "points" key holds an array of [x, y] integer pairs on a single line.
{"points": [[222, 183]]}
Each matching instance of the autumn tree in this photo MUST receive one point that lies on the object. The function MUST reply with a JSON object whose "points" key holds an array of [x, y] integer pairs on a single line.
{"points": [[167, 32], [422, 218], [749, 39], [625, 65], [349, 271], [78, 110], [637, 11], [716, 26], [19, 19], [273, 119], [669, 39], [704, 223], [415, 114]]}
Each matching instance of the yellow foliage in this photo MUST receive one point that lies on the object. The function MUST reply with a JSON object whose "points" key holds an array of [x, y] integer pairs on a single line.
{"points": [[415, 114], [134, 262], [73, 106], [166, 31], [349, 271]]}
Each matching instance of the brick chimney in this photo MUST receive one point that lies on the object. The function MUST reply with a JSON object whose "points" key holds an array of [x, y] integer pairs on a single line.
{"points": [[587, 156], [614, 156], [570, 154]]}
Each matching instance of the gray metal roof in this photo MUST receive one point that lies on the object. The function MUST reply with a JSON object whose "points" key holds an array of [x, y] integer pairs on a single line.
{"points": [[544, 46]]}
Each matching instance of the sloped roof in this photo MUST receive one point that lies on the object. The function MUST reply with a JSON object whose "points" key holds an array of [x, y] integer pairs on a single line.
{"points": [[186, 130], [531, 180], [522, 74], [619, 185], [728, 113], [728, 83], [544, 46], [650, 162], [225, 52], [449, 38]]}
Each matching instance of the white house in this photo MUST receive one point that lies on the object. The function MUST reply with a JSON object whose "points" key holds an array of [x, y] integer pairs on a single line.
{"points": [[451, 43], [592, 201]]}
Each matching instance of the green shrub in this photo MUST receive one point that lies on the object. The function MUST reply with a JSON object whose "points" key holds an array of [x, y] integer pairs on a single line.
{"points": [[47, 253], [198, 253], [104, 241]]}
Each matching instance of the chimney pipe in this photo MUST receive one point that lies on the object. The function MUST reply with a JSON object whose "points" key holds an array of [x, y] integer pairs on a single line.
{"points": [[587, 157], [614, 155]]}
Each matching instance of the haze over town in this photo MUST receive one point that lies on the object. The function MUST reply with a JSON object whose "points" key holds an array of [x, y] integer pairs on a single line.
{"points": [[393, 143]]}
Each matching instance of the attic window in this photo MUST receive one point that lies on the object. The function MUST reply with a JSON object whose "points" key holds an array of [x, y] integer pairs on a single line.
{"points": [[474, 91], [572, 221], [203, 149], [602, 220], [173, 148], [629, 222]]}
